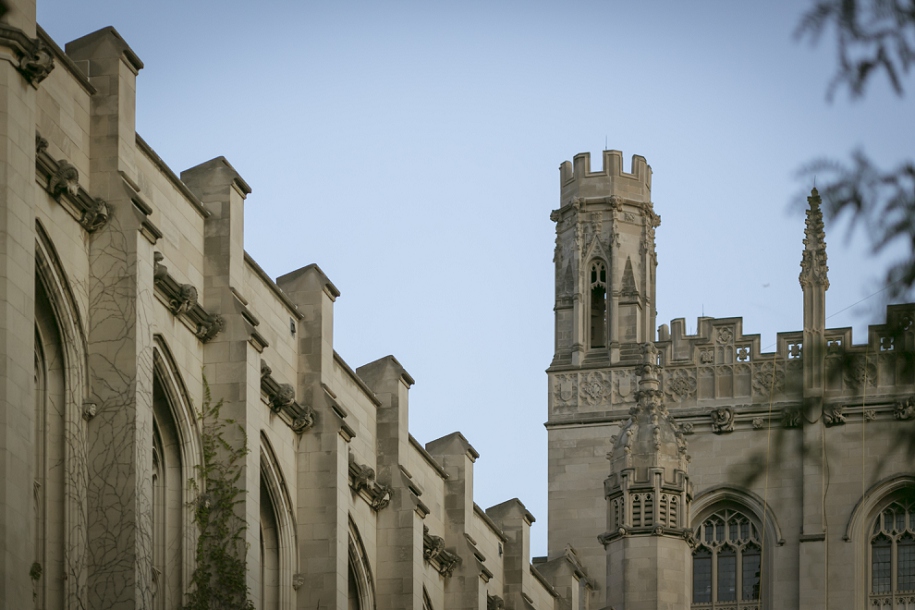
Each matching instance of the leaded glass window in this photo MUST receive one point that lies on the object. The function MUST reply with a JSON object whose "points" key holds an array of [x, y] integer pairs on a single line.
{"points": [[892, 553], [727, 562]]}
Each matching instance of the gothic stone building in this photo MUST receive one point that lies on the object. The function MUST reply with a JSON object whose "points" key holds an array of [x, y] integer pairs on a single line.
{"points": [[737, 479]]}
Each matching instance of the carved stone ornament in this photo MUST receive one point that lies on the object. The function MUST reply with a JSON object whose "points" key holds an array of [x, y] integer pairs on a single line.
{"points": [[304, 422], [96, 216], [89, 410], [686, 428], [381, 496], [186, 299], [284, 397], [434, 552], [432, 545], [791, 417], [64, 180], [608, 537], [814, 271], [767, 379], [859, 373], [758, 423], [298, 580], [905, 410], [362, 481], [723, 420], [36, 64], [725, 336], [494, 602], [41, 144], [211, 326], [834, 415], [680, 384]]}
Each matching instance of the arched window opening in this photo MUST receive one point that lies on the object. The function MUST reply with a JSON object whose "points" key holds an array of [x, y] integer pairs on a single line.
{"points": [[727, 562], [598, 288], [892, 552], [270, 551], [168, 504], [361, 589], [50, 451]]}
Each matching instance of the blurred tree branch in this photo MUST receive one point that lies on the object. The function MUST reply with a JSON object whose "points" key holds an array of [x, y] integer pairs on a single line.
{"points": [[873, 37]]}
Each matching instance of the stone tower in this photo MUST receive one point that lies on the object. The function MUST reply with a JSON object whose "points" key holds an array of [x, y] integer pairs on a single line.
{"points": [[605, 261], [604, 311], [648, 497]]}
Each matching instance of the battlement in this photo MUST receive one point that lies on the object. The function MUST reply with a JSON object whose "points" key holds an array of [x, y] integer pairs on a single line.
{"points": [[576, 179]]}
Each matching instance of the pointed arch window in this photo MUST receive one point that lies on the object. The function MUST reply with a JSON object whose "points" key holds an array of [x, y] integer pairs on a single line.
{"points": [[892, 553], [727, 562], [598, 303]]}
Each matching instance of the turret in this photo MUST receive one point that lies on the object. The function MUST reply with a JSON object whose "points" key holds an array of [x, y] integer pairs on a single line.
{"points": [[648, 496], [605, 261]]}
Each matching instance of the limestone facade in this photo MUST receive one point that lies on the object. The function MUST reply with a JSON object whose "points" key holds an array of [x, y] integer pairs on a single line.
{"points": [[126, 296], [736, 478], [799, 485]]}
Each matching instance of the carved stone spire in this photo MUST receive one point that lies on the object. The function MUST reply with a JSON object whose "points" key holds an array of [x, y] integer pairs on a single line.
{"points": [[813, 262]]}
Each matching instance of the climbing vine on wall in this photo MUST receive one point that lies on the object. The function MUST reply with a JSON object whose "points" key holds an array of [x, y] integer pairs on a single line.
{"points": [[219, 578]]}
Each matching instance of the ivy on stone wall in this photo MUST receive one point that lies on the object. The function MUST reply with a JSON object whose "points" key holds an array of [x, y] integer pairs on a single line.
{"points": [[219, 578]]}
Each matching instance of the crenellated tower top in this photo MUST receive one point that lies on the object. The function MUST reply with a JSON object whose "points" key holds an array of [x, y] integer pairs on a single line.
{"points": [[577, 181]]}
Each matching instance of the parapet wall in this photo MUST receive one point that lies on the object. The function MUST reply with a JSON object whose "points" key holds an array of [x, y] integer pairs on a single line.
{"points": [[578, 181]]}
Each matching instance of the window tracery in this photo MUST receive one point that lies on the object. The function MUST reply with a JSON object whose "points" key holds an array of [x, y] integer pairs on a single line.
{"points": [[727, 562], [892, 555]]}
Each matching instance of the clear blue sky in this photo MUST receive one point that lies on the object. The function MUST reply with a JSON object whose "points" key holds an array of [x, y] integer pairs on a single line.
{"points": [[411, 150]]}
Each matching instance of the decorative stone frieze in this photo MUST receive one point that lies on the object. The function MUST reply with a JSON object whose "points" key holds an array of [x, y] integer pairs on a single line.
{"points": [[35, 60], [434, 552], [833, 415], [60, 179], [280, 397], [362, 482], [181, 301], [905, 409]]}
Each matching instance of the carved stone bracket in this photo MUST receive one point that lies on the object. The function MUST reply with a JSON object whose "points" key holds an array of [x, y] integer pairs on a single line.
{"points": [[905, 409], [791, 417], [89, 410], [35, 59], [281, 399], [434, 552], [60, 179], [834, 415], [362, 481], [298, 580], [723, 420], [494, 602], [181, 300]]}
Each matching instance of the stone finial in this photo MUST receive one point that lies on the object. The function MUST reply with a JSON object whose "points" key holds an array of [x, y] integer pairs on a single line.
{"points": [[813, 262]]}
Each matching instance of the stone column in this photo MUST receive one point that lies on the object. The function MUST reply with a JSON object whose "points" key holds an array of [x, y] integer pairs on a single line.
{"points": [[322, 467], [231, 364], [814, 283], [462, 590], [17, 315], [515, 521], [120, 338], [400, 528]]}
